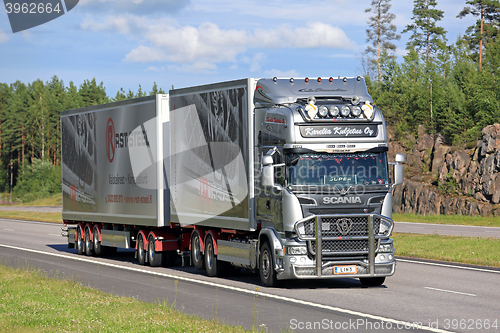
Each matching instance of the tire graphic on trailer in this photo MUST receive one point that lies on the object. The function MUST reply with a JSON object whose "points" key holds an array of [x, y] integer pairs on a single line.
{"points": [[110, 140]]}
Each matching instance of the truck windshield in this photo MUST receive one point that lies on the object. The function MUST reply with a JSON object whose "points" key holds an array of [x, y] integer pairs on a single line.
{"points": [[338, 169]]}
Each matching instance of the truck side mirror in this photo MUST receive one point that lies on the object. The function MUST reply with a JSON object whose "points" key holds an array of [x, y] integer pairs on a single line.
{"points": [[398, 169], [267, 171]]}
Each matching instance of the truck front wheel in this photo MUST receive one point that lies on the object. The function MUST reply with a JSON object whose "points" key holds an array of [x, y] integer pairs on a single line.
{"points": [[196, 255], [266, 267], [372, 282]]}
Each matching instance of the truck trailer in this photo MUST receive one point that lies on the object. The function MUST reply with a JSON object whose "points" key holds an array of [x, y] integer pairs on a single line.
{"points": [[285, 177]]}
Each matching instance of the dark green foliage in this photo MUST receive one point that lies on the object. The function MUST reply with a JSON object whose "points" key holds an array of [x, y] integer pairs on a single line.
{"points": [[30, 131], [486, 28], [38, 180], [426, 37]]}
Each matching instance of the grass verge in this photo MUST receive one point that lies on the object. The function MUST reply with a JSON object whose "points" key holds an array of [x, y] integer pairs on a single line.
{"points": [[490, 221], [54, 200], [467, 250], [31, 216], [31, 302]]}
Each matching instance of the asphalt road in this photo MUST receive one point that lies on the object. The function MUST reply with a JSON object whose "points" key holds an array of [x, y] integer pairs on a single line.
{"points": [[453, 298], [446, 229]]}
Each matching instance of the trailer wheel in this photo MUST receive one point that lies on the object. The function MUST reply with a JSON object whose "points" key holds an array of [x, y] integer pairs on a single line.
{"points": [[266, 267], [196, 255], [89, 248], [80, 245], [211, 262], [155, 257], [97, 243], [372, 282], [141, 253]]}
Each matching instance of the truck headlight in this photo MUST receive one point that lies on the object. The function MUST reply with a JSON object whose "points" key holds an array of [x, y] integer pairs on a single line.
{"points": [[356, 111], [345, 111], [386, 248], [323, 111], [334, 111], [385, 227], [296, 250]]}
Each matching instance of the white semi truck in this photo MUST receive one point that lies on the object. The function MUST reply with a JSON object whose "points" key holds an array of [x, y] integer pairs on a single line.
{"points": [[288, 178]]}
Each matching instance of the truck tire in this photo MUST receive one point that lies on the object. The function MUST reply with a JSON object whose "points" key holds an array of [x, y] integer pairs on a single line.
{"points": [[196, 255], [266, 267], [97, 243], [372, 282], [89, 247], [154, 257], [80, 245], [211, 262], [141, 252]]}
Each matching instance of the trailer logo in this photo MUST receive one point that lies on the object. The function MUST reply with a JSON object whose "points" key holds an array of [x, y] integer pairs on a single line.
{"points": [[110, 140], [344, 226]]}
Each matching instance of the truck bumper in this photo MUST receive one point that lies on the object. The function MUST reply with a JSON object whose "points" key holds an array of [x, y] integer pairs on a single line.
{"points": [[362, 249], [301, 267]]}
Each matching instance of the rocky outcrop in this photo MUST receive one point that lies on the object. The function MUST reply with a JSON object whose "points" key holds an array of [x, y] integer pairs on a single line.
{"points": [[443, 180]]}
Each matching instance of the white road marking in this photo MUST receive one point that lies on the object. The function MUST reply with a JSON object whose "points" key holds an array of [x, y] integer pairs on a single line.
{"points": [[453, 225], [449, 265], [450, 291], [8, 229], [245, 291]]}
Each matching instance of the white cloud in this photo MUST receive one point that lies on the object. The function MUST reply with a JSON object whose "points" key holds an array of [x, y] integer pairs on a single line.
{"points": [[3, 37], [121, 24], [315, 34], [145, 54], [255, 63], [197, 67], [155, 69], [210, 44]]}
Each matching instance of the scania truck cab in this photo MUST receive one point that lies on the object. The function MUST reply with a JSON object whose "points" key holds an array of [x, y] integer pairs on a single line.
{"points": [[325, 192]]}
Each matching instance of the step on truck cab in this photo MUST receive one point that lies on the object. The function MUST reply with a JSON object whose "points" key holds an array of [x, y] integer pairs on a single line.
{"points": [[288, 178]]}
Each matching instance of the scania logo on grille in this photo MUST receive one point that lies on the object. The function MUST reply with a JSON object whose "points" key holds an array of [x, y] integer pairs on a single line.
{"points": [[344, 226]]}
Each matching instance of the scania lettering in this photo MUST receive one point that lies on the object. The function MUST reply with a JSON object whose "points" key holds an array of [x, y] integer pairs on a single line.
{"points": [[340, 200], [288, 178]]}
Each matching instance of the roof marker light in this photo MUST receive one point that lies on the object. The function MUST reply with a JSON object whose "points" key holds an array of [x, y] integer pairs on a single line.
{"points": [[319, 79], [331, 79], [345, 79], [275, 79], [291, 80], [359, 78], [307, 79]]}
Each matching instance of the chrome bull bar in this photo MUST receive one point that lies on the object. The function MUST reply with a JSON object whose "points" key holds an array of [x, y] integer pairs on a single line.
{"points": [[371, 227]]}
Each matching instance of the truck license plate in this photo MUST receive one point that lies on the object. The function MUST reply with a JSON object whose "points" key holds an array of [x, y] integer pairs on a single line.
{"points": [[345, 270]]}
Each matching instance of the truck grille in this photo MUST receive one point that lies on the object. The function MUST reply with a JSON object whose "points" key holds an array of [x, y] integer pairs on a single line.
{"points": [[340, 247], [341, 226]]}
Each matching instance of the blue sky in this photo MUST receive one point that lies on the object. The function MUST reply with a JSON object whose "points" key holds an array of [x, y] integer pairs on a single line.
{"points": [[124, 43]]}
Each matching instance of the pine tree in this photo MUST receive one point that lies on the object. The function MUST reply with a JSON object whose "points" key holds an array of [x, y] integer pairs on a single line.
{"points": [[155, 90], [427, 37], [487, 26], [381, 31], [120, 95]]}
